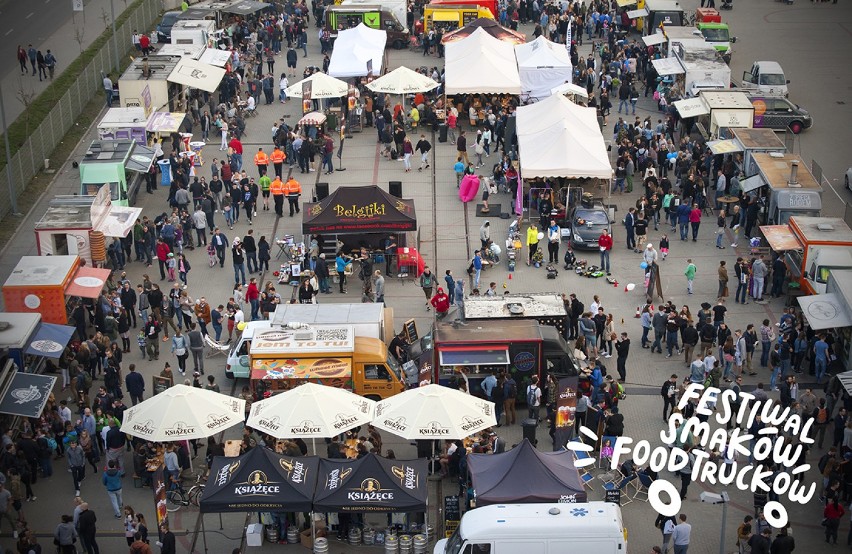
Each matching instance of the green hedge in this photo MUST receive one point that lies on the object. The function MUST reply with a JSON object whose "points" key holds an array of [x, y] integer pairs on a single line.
{"points": [[42, 105]]}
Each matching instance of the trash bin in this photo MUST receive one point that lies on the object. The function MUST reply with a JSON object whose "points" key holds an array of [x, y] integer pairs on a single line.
{"points": [[528, 427], [165, 173], [442, 132]]}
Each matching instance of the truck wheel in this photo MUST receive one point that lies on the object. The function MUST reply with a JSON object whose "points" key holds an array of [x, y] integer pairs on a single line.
{"points": [[796, 127], [373, 397], [229, 374], [846, 181], [398, 44]]}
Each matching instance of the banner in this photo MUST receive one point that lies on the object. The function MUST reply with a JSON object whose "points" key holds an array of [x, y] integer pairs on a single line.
{"points": [[566, 410], [158, 485], [27, 394]]}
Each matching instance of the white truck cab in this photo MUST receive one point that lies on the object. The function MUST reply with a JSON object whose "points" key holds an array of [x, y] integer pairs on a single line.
{"points": [[766, 77]]}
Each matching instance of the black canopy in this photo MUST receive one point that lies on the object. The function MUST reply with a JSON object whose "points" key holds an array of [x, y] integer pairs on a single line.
{"points": [[260, 480], [359, 210], [371, 484], [525, 475]]}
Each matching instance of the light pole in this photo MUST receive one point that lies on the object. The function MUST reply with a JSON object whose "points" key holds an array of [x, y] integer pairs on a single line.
{"points": [[13, 200], [722, 499], [114, 36]]}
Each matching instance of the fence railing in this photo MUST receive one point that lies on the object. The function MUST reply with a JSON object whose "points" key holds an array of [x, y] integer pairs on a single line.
{"points": [[833, 203], [29, 159]]}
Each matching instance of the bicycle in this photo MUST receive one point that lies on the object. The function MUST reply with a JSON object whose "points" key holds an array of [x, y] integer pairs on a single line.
{"points": [[178, 497]]}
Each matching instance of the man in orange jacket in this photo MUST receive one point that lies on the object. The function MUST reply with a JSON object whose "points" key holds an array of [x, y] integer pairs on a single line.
{"points": [[293, 190], [277, 190], [277, 157], [261, 160]]}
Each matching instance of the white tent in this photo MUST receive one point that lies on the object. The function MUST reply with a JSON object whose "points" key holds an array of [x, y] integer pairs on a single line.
{"points": [[542, 65], [322, 86], [558, 138], [481, 63], [354, 49]]}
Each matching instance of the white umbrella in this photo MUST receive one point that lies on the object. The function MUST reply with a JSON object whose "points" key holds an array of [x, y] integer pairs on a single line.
{"points": [[310, 411], [434, 412], [182, 413], [313, 118], [570, 88], [402, 81], [322, 86]]}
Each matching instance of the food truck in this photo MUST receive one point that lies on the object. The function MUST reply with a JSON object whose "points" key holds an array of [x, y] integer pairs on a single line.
{"points": [[790, 188], [547, 309], [750, 142], [452, 17], [43, 284], [369, 320], [725, 109], [703, 68], [72, 224], [196, 32], [523, 348], [121, 164], [144, 84], [123, 124], [283, 357]]}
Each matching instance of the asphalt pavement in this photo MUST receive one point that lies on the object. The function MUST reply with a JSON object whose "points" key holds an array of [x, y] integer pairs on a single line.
{"points": [[447, 233]]}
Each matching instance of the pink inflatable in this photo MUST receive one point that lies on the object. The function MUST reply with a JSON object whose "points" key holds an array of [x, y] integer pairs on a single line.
{"points": [[468, 188]]}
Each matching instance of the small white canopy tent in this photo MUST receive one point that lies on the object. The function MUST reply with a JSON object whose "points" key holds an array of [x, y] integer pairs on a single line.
{"points": [[542, 65], [558, 138], [481, 63], [354, 48]]}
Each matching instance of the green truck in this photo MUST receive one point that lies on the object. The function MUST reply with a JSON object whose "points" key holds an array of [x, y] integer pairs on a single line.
{"points": [[719, 37]]}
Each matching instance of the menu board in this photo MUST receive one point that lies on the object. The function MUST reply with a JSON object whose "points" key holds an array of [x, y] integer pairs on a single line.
{"points": [[452, 514], [410, 329]]}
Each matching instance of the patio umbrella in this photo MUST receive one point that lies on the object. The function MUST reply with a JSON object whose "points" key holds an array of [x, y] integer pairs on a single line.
{"points": [[313, 118], [310, 411], [434, 412], [182, 412], [322, 86], [402, 81], [570, 88]]}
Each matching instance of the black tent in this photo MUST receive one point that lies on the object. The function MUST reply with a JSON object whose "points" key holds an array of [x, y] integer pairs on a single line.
{"points": [[260, 480], [371, 484], [359, 210], [525, 475]]}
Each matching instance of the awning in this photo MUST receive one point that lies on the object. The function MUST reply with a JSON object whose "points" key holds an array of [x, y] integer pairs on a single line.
{"points": [[245, 7], [691, 107], [214, 56], [50, 340], [654, 39], [723, 146], [636, 14], [164, 122], [668, 66], [732, 119], [88, 282], [825, 311], [27, 394], [780, 238], [141, 159], [445, 15], [625, 3], [845, 379], [751, 183], [118, 221], [473, 355], [196, 74]]}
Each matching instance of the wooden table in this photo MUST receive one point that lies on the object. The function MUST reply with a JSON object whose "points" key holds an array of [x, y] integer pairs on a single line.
{"points": [[729, 199]]}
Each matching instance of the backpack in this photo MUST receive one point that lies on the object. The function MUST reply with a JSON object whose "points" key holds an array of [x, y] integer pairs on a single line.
{"points": [[823, 462], [531, 395], [822, 416], [513, 390]]}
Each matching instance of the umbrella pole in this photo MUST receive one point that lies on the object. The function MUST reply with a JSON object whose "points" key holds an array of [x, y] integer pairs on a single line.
{"points": [[314, 444], [203, 533]]}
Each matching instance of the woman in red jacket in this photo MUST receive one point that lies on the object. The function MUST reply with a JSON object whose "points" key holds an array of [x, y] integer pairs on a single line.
{"points": [[832, 514]]}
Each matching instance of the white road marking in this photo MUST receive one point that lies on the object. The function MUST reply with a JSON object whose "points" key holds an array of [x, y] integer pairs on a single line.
{"points": [[29, 16], [9, 32]]}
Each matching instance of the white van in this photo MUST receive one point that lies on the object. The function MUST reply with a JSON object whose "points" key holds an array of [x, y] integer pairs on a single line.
{"points": [[594, 527], [767, 78]]}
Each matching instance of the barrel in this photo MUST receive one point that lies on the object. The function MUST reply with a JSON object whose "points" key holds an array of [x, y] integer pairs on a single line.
{"points": [[320, 545], [355, 536], [369, 536], [97, 244], [293, 535], [419, 544], [391, 544], [430, 533], [272, 533], [405, 544]]}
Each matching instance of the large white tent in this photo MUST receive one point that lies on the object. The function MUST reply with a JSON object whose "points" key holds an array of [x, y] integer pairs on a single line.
{"points": [[542, 65], [481, 64], [558, 138], [354, 48]]}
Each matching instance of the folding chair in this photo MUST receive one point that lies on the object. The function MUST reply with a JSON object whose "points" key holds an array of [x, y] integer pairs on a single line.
{"points": [[625, 481], [586, 477], [580, 455], [642, 485], [216, 348]]}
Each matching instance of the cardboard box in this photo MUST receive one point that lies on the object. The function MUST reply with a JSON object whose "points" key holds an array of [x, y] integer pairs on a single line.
{"points": [[254, 534], [308, 539]]}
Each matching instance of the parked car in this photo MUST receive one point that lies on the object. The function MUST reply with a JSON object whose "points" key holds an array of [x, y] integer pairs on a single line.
{"points": [[847, 178], [587, 223], [164, 29]]}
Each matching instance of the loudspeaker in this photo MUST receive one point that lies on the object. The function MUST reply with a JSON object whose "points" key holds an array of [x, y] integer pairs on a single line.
{"points": [[322, 191], [395, 188]]}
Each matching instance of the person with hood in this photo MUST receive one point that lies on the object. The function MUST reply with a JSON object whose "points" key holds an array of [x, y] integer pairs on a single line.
{"points": [[111, 478], [441, 303], [65, 536]]}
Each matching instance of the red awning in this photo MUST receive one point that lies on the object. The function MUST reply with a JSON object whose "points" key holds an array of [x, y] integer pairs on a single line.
{"points": [[88, 282]]}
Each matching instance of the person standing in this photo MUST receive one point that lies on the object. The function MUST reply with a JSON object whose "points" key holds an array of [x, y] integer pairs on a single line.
{"points": [[427, 283], [135, 384], [379, 285], [87, 528], [423, 146], [669, 393], [534, 399], [293, 190], [196, 347], [167, 540], [680, 535], [554, 236], [723, 280], [108, 90], [605, 245], [622, 348], [695, 221], [689, 272], [76, 463], [65, 536], [239, 257], [461, 147]]}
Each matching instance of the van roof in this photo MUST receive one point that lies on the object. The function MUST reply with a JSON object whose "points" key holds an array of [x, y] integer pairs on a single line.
{"points": [[328, 313], [663, 6], [502, 521], [770, 67]]}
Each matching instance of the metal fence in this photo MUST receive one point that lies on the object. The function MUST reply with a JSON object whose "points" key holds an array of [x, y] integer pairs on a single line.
{"points": [[833, 204], [29, 159]]}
